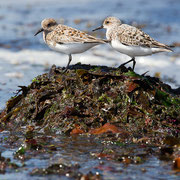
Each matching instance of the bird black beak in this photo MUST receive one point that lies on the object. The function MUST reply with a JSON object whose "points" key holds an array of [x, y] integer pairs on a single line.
{"points": [[101, 27], [40, 30]]}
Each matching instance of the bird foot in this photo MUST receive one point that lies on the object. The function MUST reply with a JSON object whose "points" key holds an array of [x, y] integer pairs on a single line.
{"points": [[54, 70], [51, 71], [123, 68], [144, 73]]}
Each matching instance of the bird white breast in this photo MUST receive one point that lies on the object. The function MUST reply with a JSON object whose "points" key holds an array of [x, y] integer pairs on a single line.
{"points": [[72, 48], [131, 51]]}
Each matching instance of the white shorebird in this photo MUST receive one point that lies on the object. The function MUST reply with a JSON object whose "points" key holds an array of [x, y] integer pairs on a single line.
{"points": [[66, 39], [130, 40]]}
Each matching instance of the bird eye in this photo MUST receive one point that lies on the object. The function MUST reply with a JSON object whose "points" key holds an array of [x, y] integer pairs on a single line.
{"points": [[107, 22], [48, 25]]}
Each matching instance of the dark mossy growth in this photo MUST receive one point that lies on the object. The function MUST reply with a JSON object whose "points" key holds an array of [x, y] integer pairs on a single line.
{"points": [[68, 171], [5, 163], [87, 97]]}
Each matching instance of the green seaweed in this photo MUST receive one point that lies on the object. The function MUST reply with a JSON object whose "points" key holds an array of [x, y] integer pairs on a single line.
{"points": [[89, 99]]}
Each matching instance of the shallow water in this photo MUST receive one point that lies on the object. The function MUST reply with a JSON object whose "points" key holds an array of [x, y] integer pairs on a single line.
{"points": [[23, 56], [80, 150]]}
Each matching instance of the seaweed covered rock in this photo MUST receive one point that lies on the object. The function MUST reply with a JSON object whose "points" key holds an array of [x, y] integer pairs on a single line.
{"points": [[95, 99]]}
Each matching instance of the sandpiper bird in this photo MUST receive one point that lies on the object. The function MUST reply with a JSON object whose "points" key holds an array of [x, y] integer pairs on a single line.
{"points": [[130, 40], [66, 39]]}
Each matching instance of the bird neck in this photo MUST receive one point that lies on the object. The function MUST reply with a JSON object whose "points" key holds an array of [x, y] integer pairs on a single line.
{"points": [[45, 33], [109, 32]]}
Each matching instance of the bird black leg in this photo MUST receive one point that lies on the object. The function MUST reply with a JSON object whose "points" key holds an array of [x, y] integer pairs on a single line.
{"points": [[134, 63], [70, 59], [52, 70]]}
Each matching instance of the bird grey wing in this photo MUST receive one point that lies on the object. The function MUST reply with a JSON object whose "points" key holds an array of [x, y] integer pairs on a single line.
{"points": [[65, 34], [85, 38], [133, 36]]}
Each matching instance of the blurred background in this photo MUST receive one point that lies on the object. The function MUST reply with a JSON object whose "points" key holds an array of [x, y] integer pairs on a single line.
{"points": [[23, 56]]}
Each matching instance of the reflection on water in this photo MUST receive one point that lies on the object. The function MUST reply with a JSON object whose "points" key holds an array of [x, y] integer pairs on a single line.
{"points": [[84, 151]]}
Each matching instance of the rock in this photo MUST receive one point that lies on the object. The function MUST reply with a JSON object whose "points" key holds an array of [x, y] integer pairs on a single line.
{"points": [[87, 97]]}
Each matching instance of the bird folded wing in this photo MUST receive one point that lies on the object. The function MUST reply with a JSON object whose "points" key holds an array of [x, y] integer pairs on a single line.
{"points": [[132, 36], [64, 34]]}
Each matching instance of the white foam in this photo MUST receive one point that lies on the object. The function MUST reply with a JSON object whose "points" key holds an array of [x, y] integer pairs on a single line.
{"points": [[97, 56]]}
